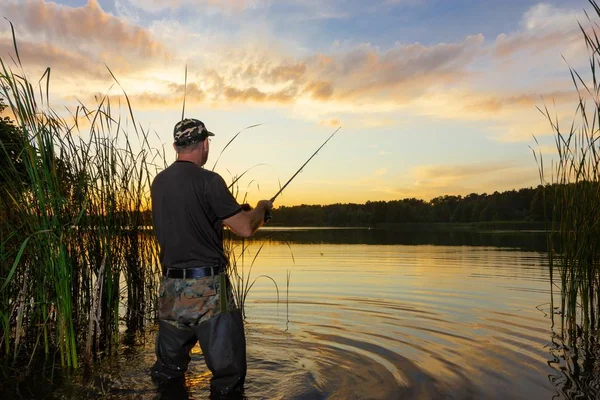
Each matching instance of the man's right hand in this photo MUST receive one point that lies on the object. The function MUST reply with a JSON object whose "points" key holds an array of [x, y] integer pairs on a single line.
{"points": [[267, 205], [250, 219]]}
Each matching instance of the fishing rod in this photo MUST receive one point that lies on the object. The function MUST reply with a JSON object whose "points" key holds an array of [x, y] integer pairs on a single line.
{"points": [[272, 200]]}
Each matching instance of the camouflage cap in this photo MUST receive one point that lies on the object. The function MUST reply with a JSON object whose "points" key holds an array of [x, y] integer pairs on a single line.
{"points": [[190, 130]]}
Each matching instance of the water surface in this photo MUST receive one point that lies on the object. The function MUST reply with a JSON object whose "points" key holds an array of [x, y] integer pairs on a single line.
{"points": [[362, 320]]}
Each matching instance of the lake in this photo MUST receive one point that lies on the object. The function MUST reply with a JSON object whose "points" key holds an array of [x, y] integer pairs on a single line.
{"points": [[384, 315]]}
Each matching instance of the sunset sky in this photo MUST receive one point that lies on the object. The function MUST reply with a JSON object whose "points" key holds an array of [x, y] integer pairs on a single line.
{"points": [[433, 96]]}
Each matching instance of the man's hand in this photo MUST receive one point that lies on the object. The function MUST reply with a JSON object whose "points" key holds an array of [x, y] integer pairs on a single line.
{"points": [[267, 205], [250, 219]]}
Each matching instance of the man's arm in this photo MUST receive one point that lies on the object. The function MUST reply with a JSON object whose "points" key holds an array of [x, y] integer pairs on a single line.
{"points": [[245, 223]]}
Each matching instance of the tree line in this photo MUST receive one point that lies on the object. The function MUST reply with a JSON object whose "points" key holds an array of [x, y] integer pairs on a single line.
{"points": [[525, 204]]}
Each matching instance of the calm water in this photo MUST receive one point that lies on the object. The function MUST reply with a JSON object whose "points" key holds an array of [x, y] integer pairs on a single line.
{"points": [[435, 318]]}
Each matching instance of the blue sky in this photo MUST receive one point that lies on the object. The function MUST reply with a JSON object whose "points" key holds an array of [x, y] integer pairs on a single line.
{"points": [[434, 97]]}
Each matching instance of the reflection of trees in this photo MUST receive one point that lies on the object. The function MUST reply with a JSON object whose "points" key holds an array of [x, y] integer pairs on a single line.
{"points": [[411, 235]]}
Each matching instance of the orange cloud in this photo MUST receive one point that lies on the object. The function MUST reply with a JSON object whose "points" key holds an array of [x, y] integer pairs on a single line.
{"points": [[172, 97], [496, 103], [334, 123], [269, 71], [192, 91], [319, 90], [88, 28], [256, 95], [47, 55], [284, 73]]}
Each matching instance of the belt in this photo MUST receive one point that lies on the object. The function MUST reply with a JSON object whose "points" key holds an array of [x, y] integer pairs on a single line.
{"points": [[194, 272]]}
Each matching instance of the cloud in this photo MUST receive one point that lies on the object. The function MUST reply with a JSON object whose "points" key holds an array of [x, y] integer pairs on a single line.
{"points": [[285, 73], [89, 30], [495, 103], [191, 91], [170, 95], [333, 123], [319, 90], [543, 28], [448, 174], [255, 95], [443, 80], [294, 9], [44, 55], [398, 73], [356, 75], [157, 6]]}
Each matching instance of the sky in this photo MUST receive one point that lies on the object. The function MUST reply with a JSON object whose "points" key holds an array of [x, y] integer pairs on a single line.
{"points": [[433, 97]]}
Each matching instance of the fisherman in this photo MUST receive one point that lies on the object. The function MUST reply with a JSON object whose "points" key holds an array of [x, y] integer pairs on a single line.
{"points": [[190, 205]]}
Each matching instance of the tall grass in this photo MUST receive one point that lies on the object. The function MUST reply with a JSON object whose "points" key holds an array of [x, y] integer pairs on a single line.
{"points": [[74, 264], [576, 197], [575, 261]]}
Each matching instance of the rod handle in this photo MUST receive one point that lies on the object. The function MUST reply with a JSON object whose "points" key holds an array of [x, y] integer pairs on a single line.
{"points": [[268, 213], [248, 207]]}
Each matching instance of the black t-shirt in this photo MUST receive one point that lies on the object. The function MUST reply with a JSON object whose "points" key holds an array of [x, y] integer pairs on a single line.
{"points": [[189, 205]]}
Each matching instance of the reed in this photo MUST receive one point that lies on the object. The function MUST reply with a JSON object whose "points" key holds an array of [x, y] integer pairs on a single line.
{"points": [[575, 190], [74, 262]]}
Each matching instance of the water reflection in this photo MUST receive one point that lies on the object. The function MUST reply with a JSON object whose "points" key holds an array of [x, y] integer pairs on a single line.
{"points": [[413, 235]]}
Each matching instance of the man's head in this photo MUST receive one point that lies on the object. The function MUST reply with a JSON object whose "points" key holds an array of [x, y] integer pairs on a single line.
{"points": [[190, 140]]}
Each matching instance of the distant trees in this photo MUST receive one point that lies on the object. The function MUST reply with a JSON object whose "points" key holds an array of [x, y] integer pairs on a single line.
{"points": [[12, 144], [13, 173], [514, 205]]}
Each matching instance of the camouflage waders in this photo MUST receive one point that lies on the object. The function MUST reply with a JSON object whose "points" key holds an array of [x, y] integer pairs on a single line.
{"points": [[189, 310]]}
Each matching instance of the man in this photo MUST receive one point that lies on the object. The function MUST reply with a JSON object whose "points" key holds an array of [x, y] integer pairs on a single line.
{"points": [[189, 207]]}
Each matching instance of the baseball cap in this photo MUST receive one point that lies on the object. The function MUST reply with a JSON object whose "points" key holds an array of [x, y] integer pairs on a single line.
{"points": [[190, 130]]}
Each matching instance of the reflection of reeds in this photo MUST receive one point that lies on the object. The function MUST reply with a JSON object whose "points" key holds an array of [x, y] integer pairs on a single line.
{"points": [[72, 253], [575, 193], [237, 251], [241, 276], [287, 299]]}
